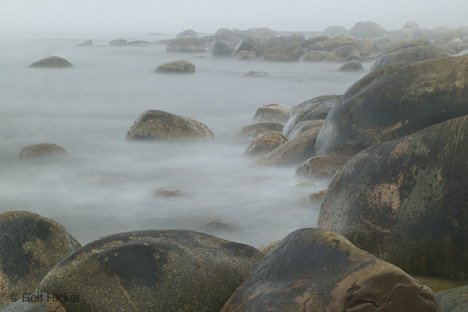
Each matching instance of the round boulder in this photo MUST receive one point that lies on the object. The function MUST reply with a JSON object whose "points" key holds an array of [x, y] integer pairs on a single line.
{"points": [[343, 54], [163, 126], [406, 201], [52, 62], [167, 271], [367, 30], [41, 150], [252, 131], [314, 270], [265, 142], [395, 101], [176, 67], [303, 126], [351, 66], [187, 33], [287, 53], [221, 49], [186, 45], [272, 113], [30, 246], [315, 56]]}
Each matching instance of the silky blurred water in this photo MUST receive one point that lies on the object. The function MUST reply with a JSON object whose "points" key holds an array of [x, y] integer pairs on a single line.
{"points": [[106, 183]]}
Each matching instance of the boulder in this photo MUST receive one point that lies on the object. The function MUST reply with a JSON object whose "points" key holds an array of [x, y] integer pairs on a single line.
{"points": [[406, 201], [118, 43], [337, 42], [86, 43], [245, 45], [257, 74], [187, 33], [294, 151], [411, 55], [315, 197], [186, 45], [245, 55], [395, 101], [41, 150], [176, 67], [367, 30], [272, 113], [453, 300], [287, 53], [343, 54], [252, 131], [265, 142], [228, 37], [315, 56], [303, 126], [221, 49], [163, 126], [397, 44], [30, 246], [322, 166], [313, 109], [262, 33], [351, 66], [170, 271], [314, 270], [52, 62], [139, 43], [336, 31], [168, 192]]}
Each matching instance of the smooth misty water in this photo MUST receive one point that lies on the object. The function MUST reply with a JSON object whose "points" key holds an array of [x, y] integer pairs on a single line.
{"points": [[106, 184]]}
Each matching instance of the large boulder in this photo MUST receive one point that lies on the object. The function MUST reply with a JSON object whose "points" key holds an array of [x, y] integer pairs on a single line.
{"points": [[245, 45], [367, 30], [52, 62], [315, 271], [321, 166], [313, 109], [172, 270], [186, 45], [453, 300], [228, 37], [30, 246], [176, 67], [286, 53], [395, 101], [220, 48], [187, 33], [303, 126], [315, 56], [294, 151], [272, 113], [163, 126], [410, 55], [406, 201], [336, 42], [41, 150], [251, 131], [335, 31], [265, 142]]}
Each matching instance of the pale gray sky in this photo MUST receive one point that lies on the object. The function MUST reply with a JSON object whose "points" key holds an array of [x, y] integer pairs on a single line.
{"points": [[171, 16]]}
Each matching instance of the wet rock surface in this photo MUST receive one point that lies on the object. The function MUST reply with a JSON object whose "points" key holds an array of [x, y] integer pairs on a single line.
{"points": [[41, 150]]}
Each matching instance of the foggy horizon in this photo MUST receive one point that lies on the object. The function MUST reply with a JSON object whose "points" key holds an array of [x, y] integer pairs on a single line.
{"points": [[144, 16]]}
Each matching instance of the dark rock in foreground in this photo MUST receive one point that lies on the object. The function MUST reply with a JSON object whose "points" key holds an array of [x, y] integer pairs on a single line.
{"points": [[453, 300], [30, 246], [163, 126], [176, 67], [166, 271], [406, 201], [314, 270], [395, 101], [41, 150], [52, 62]]}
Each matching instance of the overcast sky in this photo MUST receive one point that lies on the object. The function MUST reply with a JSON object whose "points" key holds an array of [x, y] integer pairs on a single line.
{"points": [[172, 16]]}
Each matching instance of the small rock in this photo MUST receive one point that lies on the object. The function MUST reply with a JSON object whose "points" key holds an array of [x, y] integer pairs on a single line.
{"points": [[86, 43], [351, 66], [168, 192], [118, 43], [52, 62], [176, 67], [261, 74], [41, 150], [272, 113], [265, 142]]}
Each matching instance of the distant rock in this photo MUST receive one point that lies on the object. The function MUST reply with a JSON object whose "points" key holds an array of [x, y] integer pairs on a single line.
{"points": [[343, 54], [272, 113], [410, 55], [216, 225], [52, 62], [287, 53], [321, 166], [246, 55], [186, 45], [221, 49], [139, 43], [167, 192], [245, 45], [351, 66], [258, 74], [118, 43], [335, 31], [251, 131], [176, 67], [30, 246], [315, 271], [187, 33], [163, 126], [166, 270], [228, 37], [315, 56], [265, 142], [41, 150], [367, 30], [86, 43]]}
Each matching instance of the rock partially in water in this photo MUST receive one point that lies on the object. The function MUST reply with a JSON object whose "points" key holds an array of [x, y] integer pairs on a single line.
{"points": [[216, 225], [246, 55], [453, 300], [265, 142], [52, 62], [187, 33], [186, 45], [303, 126], [118, 43], [287, 53], [410, 55], [395, 101], [406, 201], [252, 131], [176, 67], [344, 54], [315, 270], [315, 56], [258, 74], [351, 66], [322, 166], [221, 49], [168, 192], [272, 113], [163, 126], [41, 150], [170, 271], [245, 45], [30, 246], [367, 30], [86, 43]]}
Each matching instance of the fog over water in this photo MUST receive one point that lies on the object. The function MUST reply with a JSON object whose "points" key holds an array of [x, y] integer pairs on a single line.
{"points": [[106, 183]]}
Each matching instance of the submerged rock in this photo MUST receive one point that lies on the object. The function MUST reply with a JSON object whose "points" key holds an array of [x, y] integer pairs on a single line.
{"points": [[170, 271], [265, 142], [30, 246], [395, 101], [272, 113], [260, 74], [163, 126], [176, 67], [168, 192], [52, 62], [406, 201], [252, 131], [41, 150], [315, 270]]}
